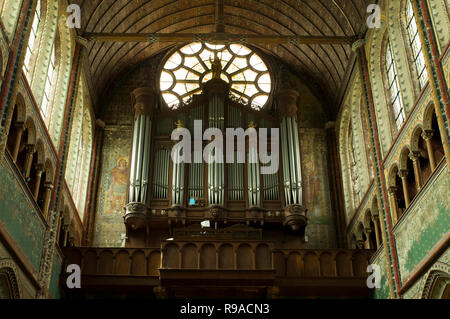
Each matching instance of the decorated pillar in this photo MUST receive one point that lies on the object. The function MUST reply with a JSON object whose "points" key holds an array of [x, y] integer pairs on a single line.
{"points": [[393, 203], [295, 212], [93, 181], [336, 184], [380, 180], [427, 136], [439, 87]]}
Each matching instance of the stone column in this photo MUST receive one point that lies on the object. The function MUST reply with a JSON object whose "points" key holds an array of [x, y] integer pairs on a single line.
{"points": [[20, 127], [39, 170], [403, 175], [48, 186], [414, 156], [380, 179], [376, 221], [367, 244], [30, 150], [427, 135], [393, 200]]}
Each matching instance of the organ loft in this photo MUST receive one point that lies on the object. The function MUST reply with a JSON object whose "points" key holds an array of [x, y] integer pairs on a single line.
{"points": [[216, 148]]}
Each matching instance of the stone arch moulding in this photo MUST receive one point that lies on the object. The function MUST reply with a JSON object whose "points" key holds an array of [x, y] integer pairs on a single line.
{"points": [[438, 270], [8, 268]]}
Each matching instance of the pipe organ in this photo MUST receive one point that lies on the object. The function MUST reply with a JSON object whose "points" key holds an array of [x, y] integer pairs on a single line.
{"points": [[165, 190]]}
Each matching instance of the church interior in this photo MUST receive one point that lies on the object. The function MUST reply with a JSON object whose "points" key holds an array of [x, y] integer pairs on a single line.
{"points": [[348, 98]]}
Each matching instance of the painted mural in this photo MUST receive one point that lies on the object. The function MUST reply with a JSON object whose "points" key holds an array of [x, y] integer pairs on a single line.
{"points": [[113, 187], [20, 216], [320, 229], [426, 224]]}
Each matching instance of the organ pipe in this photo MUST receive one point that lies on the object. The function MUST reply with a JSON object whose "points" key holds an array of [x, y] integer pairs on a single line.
{"points": [[290, 147], [217, 90], [144, 100]]}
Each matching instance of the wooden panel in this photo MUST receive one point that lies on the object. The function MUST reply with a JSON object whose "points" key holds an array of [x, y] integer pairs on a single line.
{"points": [[138, 264], [226, 257], [263, 256], [189, 256], [244, 257], [208, 257]]}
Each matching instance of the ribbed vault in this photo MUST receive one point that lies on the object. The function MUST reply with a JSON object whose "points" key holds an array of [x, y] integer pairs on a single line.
{"points": [[322, 64]]}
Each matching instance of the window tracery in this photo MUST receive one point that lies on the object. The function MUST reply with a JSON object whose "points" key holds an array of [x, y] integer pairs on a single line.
{"points": [[189, 67]]}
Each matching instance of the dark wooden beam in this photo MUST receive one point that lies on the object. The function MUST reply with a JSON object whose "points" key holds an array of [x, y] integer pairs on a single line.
{"points": [[217, 37]]}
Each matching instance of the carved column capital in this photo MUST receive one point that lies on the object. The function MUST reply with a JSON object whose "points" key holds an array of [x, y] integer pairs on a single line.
{"points": [[392, 190], [414, 155], [48, 185], [144, 100], [30, 148], [376, 218], [39, 169], [427, 134], [287, 102], [403, 173], [20, 126]]}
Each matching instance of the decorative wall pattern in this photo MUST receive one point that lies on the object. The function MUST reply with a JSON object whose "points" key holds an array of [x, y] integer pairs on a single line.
{"points": [[320, 229], [20, 216], [56, 272], [382, 292], [426, 223], [113, 186]]}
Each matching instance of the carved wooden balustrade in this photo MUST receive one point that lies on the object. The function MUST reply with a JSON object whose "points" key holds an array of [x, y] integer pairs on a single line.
{"points": [[217, 262]]}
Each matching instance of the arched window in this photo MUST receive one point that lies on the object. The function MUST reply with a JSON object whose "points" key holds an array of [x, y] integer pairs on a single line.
{"points": [[80, 149], [32, 40], [50, 81], [194, 64], [416, 45], [394, 88]]}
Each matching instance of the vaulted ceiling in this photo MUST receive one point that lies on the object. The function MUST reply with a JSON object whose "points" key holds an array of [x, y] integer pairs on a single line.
{"points": [[323, 65]]}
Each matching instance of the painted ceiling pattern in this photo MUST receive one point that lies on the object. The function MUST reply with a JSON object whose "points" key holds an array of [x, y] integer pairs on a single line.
{"points": [[323, 66]]}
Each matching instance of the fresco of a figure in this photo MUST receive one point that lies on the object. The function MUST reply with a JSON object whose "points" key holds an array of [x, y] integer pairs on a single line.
{"points": [[118, 186]]}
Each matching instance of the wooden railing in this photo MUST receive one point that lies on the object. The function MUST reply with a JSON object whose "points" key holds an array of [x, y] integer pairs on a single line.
{"points": [[219, 255]]}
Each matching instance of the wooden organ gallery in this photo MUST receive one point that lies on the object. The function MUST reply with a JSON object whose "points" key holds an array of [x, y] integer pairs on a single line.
{"points": [[253, 220], [218, 148]]}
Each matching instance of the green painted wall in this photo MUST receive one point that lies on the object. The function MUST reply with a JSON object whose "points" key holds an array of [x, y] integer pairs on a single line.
{"points": [[425, 225], [20, 216]]}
